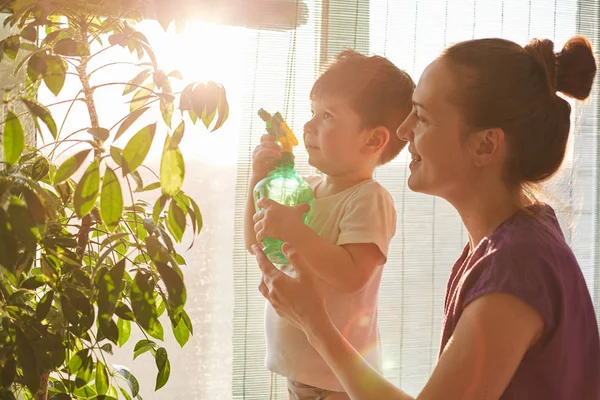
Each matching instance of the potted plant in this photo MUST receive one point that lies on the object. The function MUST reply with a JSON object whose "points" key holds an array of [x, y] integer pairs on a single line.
{"points": [[82, 261]]}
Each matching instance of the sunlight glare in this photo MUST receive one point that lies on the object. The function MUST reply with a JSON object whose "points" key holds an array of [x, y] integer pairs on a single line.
{"points": [[201, 53]]}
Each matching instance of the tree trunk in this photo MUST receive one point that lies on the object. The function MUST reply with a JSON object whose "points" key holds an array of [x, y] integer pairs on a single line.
{"points": [[42, 393]]}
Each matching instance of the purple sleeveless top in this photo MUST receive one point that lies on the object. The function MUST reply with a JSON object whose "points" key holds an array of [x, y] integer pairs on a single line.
{"points": [[527, 257]]}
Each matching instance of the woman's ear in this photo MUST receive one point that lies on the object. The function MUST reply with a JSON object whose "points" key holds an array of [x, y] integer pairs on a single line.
{"points": [[487, 146]]}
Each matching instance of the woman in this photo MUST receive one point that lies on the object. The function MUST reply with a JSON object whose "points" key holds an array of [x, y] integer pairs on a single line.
{"points": [[486, 127]]}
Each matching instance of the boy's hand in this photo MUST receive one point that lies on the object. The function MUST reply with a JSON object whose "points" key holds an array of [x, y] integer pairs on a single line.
{"points": [[264, 157], [278, 221]]}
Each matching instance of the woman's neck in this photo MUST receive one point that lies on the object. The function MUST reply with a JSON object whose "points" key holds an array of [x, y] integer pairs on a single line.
{"points": [[484, 211]]}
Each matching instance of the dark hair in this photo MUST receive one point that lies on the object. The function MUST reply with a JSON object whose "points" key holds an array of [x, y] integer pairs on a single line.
{"points": [[504, 85], [380, 93]]}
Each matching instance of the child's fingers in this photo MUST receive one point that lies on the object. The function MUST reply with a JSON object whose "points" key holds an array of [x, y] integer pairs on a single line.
{"points": [[267, 139]]}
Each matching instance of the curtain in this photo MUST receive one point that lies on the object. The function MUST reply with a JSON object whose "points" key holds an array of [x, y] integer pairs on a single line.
{"points": [[430, 235]]}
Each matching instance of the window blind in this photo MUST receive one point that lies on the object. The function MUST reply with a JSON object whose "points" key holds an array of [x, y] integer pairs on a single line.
{"points": [[430, 235]]}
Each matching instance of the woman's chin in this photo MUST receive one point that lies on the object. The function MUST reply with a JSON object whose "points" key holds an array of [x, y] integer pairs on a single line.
{"points": [[415, 184]]}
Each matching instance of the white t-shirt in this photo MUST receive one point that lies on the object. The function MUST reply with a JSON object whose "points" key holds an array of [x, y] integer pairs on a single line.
{"points": [[364, 213]]}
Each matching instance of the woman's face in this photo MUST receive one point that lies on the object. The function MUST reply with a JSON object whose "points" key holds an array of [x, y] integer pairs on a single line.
{"points": [[438, 139]]}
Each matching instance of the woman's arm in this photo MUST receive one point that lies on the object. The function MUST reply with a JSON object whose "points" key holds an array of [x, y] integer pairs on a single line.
{"points": [[491, 338]]}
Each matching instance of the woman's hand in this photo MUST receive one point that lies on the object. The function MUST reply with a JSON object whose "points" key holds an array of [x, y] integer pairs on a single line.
{"points": [[295, 299]]}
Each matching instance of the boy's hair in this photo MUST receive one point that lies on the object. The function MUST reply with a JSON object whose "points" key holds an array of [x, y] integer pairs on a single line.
{"points": [[379, 92]]}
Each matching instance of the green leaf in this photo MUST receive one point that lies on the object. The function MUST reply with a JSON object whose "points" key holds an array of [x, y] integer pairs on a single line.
{"points": [[35, 207], [40, 169], [141, 97], [84, 374], [43, 114], [185, 100], [137, 81], [8, 373], [158, 207], [197, 213], [131, 380], [137, 148], [138, 181], [223, 109], [109, 286], [107, 348], [166, 108], [181, 332], [124, 327], [176, 221], [111, 200], [109, 289], [87, 190], [164, 368], [57, 34], [143, 346], [34, 282], [172, 169], [188, 323], [129, 120], [11, 46], [156, 330], [101, 378], [99, 133], [124, 312], [161, 304], [29, 33], [175, 74], [175, 140], [211, 98], [152, 186], [124, 393], [70, 48], [23, 224], [112, 394], [70, 166], [55, 74], [36, 65], [44, 305], [13, 138], [175, 286], [117, 155], [112, 238], [27, 361], [78, 360], [142, 301]]}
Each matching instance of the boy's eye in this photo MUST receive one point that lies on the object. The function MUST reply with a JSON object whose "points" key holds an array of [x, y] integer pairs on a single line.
{"points": [[326, 115]]}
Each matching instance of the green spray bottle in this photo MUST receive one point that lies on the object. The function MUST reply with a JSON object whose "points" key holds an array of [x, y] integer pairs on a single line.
{"points": [[283, 184]]}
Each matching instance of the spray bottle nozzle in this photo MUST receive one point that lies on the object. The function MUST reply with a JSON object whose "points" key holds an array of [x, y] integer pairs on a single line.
{"points": [[277, 127]]}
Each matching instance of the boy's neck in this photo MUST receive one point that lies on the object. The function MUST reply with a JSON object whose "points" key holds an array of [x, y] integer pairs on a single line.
{"points": [[333, 184]]}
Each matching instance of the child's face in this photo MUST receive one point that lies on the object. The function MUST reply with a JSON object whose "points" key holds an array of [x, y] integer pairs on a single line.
{"points": [[335, 137]]}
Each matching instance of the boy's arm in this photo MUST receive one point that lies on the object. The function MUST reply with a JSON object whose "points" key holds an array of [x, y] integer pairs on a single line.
{"points": [[366, 229], [348, 267]]}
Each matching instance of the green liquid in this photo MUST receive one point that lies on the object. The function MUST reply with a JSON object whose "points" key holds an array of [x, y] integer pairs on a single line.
{"points": [[286, 187]]}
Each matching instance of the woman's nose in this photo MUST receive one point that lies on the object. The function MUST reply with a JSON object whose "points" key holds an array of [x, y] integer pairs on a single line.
{"points": [[405, 130]]}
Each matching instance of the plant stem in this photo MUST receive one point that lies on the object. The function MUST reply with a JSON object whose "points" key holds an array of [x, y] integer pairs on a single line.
{"points": [[42, 393]]}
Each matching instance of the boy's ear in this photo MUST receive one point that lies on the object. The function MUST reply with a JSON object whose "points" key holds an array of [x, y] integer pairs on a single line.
{"points": [[377, 140]]}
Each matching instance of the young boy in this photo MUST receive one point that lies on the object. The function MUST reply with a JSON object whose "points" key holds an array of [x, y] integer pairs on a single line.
{"points": [[357, 104]]}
